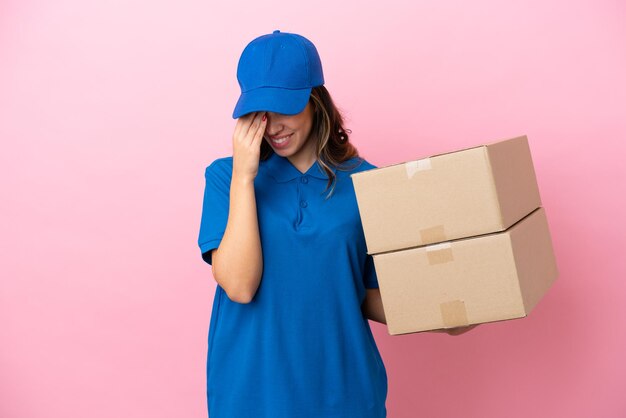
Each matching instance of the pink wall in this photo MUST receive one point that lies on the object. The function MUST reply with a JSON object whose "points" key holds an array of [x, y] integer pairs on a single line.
{"points": [[109, 112]]}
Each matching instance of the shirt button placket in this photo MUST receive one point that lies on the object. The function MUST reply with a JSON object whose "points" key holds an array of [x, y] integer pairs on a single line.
{"points": [[302, 195], [304, 180]]}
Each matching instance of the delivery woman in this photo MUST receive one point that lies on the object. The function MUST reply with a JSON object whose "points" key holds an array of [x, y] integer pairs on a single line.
{"points": [[289, 335]]}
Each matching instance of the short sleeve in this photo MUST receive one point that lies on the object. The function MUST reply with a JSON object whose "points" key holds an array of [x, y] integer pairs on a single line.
{"points": [[215, 206], [369, 276]]}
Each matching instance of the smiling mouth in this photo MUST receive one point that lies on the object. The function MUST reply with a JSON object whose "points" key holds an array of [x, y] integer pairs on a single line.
{"points": [[281, 139]]}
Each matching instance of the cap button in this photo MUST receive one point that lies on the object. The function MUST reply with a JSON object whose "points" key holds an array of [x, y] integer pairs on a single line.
{"points": [[276, 31]]}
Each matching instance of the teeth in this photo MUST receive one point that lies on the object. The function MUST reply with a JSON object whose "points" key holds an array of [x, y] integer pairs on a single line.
{"points": [[280, 140]]}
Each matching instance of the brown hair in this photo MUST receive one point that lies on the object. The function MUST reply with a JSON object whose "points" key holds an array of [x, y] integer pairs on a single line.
{"points": [[333, 143]]}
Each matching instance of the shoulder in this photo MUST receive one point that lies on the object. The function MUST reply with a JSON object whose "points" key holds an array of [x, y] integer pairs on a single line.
{"points": [[366, 165], [220, 167], [357, 164]]}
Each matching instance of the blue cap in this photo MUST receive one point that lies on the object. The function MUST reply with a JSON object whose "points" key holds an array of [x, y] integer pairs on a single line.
{"points": [[276, 73]]}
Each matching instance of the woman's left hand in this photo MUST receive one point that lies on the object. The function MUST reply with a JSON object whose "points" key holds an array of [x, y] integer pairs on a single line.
{"points": [[456, 330]]}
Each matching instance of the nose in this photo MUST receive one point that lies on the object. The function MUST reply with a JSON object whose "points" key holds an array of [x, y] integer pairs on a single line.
{"points": [[272, 126]]}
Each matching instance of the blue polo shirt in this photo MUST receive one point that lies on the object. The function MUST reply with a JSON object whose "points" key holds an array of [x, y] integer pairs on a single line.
{"points": [[302, 347]]}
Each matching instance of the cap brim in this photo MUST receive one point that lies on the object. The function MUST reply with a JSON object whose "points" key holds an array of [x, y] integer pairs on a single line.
{"points": [[272, 99]]}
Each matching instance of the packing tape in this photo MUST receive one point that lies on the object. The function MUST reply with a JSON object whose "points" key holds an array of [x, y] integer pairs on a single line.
{"points": [[453, 314], [433, 234], [418, 165], [439, 253]]}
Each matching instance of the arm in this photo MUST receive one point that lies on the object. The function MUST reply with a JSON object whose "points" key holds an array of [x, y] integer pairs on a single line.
{"points": [[372, 307], [238, 262]]}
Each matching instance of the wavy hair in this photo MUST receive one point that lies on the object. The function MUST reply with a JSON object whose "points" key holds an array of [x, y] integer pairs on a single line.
{"points": [[333, 140]]}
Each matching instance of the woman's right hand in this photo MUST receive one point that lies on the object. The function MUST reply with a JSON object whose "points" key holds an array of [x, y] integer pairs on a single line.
{"points": [[247, 145]]}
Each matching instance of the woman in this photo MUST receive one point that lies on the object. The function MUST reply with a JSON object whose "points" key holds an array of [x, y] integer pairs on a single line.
{"points": [[289, 335]]}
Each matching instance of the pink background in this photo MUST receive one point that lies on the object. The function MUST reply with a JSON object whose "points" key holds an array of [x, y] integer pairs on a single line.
{"points": [[109, 112]]}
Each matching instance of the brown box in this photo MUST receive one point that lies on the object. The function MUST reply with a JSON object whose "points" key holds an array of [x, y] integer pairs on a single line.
{"points": [[446, 196], [492, 277]]}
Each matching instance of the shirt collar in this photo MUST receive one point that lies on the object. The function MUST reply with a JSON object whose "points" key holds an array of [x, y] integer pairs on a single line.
{"points": [[282, 170]]}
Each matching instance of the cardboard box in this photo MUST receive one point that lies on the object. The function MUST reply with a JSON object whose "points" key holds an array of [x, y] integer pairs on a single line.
{"points": [[446, 196], [492, 277]]}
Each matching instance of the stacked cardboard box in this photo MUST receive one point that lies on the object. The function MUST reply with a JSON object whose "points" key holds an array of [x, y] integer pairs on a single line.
{"points": [[457, 238]]}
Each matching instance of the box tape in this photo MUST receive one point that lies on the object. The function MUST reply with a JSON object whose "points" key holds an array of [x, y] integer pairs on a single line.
{"points": [[433, 234], [439, 253], [412, 167], [454, 313]]}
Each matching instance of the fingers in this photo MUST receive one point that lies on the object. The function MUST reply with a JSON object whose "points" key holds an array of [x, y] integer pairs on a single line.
{"points": [[250, 128], [243, 124], [461, 330], [254, 123], [258, 135]]}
